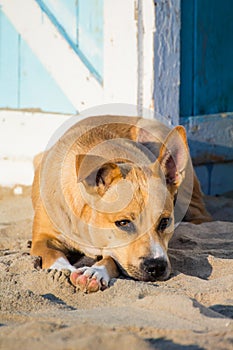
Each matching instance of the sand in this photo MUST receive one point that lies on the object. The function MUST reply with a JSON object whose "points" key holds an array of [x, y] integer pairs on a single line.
{"points": [[193, 310]]}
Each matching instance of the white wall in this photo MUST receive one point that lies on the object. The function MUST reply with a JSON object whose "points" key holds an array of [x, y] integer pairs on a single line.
{"points": [[23, 135]]}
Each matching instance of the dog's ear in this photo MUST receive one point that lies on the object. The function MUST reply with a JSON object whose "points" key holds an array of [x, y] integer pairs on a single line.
{"points": [[86, 164], [95, 171], [173, 157], [106, 175]]}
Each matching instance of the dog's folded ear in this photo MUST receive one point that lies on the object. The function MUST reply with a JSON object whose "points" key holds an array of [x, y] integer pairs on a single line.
{"points": [[173, 157], [96, 171]]}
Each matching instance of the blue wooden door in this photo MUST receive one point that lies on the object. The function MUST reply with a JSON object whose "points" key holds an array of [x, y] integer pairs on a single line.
{"points": [[206, 57]]}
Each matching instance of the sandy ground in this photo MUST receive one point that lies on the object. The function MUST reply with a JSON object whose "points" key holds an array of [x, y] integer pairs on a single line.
{"points": [[192, 310]]}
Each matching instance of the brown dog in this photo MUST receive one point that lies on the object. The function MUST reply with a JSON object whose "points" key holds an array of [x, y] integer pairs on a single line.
{"points": [[107, 189]]}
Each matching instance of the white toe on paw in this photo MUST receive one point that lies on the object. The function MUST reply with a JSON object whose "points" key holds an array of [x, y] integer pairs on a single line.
{"points": [[98, 272], [62, 264]]}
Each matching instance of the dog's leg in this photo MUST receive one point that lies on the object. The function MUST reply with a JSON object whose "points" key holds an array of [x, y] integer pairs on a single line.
{"points": [[96, 277], [51, 258], [44, 234], [197, 212], [43, 230]]}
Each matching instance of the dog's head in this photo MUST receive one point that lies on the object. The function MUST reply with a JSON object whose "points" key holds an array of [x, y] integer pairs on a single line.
{"points": [[128, 208]]}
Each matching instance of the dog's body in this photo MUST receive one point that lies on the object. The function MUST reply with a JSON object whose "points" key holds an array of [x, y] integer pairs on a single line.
{"points": [[107, 189]]}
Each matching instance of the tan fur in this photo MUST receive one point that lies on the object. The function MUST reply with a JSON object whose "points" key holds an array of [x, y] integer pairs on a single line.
{"points": [[77, 211]]}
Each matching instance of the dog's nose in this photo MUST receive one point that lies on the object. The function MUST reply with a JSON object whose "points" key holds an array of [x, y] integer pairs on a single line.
{"points": [[154, 268]]}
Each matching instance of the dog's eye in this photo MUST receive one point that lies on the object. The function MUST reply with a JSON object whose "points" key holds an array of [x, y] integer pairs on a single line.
{"points": [[125, 225], [163, 224]]}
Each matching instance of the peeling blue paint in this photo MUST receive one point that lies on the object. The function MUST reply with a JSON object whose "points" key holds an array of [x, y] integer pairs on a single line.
{"points": [[87, 28], [210, 138]]}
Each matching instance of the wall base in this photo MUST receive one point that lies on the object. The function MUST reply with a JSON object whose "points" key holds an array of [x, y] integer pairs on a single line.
{"points": [[215, 178]]}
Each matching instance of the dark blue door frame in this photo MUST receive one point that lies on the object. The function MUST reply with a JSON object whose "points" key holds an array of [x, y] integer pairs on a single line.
{"points": [[206, 57]]}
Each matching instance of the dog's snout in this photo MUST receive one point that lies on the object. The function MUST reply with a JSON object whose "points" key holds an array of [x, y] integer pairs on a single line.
{"points": [[154, 268]]}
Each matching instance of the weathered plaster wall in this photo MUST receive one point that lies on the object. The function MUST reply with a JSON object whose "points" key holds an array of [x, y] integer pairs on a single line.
{"points": [[167, 59]]}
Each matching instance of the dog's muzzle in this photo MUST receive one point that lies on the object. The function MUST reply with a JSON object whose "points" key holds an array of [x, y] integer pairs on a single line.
{"points": [[154, 269]]}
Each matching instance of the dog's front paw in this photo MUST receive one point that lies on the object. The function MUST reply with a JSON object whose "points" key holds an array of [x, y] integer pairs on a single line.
{"points": [[90, 279]]}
